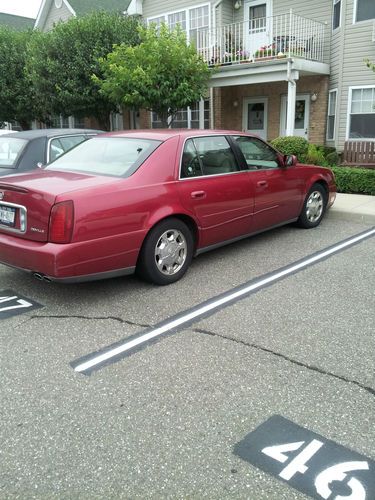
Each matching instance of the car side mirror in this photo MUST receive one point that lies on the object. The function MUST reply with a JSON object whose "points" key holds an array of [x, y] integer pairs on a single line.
{"points": [[290, 160]]}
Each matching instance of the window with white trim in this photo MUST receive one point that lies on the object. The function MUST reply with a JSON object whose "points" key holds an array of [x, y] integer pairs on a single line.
{"points": [[331, 118], [362, 113], [190, 117], [199, 20], [365, 9], [190, 20], [178, 18], [60, 121], [157, 20], [336, 18]]}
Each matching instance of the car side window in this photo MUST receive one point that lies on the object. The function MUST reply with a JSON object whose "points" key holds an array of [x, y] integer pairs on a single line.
{"points": [[258, 155], [216, 155], [60, 145], [190, 164]]}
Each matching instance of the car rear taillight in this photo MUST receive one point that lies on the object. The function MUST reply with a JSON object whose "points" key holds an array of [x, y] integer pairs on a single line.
{"points": [[61, 222]]}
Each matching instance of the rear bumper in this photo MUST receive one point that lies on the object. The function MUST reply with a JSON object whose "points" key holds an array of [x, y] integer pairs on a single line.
{"points": [[73, 262]]}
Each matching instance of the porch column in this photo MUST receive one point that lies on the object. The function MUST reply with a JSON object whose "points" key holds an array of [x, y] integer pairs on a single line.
{"points": [[291, 107]]}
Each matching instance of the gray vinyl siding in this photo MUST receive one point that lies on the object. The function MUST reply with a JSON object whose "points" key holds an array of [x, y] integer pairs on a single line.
{"points": [[351, 44], [56, 15], [153, 8], [317, 10], [227, 16]]}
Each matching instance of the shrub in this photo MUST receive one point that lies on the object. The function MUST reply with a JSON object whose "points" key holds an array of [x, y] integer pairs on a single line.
{"points": [[355, 180], [332, 159], [314, 156], [291, 145]]}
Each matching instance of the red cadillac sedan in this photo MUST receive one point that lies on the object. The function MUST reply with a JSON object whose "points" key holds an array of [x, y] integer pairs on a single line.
{"points": [[150, 200]]}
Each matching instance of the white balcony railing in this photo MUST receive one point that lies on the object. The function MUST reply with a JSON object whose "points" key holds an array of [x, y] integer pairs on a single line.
{"points": [[287, 35]]}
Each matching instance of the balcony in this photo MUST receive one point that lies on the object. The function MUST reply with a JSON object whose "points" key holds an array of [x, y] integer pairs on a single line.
{"points": [[263, 39]]}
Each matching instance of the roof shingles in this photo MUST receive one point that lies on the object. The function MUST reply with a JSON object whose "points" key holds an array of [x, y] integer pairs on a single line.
{"points": [[16, 22], [82, 7]]}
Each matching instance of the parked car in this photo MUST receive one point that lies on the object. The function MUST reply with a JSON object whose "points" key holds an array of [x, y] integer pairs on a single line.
{"points": [[150, 201], [4, 131], [32, 148]]}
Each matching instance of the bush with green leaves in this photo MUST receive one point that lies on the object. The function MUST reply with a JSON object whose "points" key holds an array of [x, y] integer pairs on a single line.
{"points": [[17, 99], [291, 145], [61, 63], [355, 180], [314, 156], [163, 73]]}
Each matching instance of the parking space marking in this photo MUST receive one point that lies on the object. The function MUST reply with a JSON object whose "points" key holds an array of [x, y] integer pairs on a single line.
{"points": [[12, 304], [308, 461], [113, 353]]}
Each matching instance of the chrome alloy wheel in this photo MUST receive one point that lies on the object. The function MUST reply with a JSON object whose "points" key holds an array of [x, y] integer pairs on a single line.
{"points": [[314, 206], [170, 252]]}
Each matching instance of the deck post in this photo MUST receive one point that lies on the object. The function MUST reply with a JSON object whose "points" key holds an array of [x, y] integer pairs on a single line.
{"points": [[291, 103]]}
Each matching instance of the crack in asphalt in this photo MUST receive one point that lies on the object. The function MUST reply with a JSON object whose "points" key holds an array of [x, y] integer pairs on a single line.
{"points": [[70, 316], [214, 334], [290, 360]]}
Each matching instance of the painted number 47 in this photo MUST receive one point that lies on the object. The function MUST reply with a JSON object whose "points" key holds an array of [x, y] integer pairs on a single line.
{"points": [[13, 303], [337, 472]]}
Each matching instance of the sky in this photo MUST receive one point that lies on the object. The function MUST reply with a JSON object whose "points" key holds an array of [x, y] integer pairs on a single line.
{"points": [[25, 8]]}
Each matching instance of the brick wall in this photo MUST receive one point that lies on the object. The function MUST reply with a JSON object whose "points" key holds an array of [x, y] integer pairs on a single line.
{"points": [[228, 116]]}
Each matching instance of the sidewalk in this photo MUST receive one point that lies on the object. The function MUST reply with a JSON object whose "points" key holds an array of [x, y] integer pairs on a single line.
{"points": [[353, 207]]}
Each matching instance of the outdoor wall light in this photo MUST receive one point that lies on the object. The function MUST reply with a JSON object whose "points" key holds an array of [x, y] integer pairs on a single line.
{"points": [[314, 97], [235, 104], [238, 4]]}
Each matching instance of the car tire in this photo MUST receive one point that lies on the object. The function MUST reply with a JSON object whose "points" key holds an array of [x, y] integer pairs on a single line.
{"points": [[166, 253], [314, 207]]}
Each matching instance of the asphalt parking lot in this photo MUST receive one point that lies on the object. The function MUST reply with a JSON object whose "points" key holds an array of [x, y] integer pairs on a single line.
{"points": [[170, 420]]}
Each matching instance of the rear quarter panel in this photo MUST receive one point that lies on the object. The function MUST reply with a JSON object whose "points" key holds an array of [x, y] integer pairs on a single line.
{"points": [[129, 205]]}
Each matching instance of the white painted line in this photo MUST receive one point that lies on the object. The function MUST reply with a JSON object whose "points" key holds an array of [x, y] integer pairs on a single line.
{"points": [[200, 311]]}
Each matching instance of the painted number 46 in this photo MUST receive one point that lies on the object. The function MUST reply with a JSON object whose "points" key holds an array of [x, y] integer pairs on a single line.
{"points": [[13, 303], [337, 472]]}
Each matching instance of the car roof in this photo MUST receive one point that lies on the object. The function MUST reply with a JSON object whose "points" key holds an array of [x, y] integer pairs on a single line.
{"points": [[50, 132], [164, 134]]}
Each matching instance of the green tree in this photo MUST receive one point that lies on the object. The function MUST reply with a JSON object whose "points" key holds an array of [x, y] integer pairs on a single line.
{"points": [[162, 74], [64, 59], [17, 100]]}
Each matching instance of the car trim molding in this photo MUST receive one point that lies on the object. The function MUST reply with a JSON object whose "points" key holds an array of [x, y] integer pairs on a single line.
{"points": [[91, 277], [242, 237]]}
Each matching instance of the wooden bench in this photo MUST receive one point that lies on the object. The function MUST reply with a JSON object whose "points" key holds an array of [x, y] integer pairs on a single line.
{"points": [[359, 154]]}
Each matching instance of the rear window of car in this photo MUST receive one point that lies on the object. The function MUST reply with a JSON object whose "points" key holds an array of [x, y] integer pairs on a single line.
{"points": [[113, 156], [10, 150]]}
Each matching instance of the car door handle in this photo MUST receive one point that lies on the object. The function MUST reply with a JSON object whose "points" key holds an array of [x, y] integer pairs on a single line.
{"points": [[198, 194], [262, 184]]}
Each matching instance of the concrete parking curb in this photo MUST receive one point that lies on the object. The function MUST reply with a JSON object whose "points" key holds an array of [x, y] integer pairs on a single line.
{"points": [[353, 207]]}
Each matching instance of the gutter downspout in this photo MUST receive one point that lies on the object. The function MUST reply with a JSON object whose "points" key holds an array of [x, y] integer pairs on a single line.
{"points": [[212, 119]]}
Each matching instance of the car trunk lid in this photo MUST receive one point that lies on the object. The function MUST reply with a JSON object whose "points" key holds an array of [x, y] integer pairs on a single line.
{"points": [[26, 200]]}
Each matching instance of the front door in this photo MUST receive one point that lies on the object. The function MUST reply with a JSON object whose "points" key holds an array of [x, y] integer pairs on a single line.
{"points": [[278, 191], [257, 26], [301, 122], [255, 111]]}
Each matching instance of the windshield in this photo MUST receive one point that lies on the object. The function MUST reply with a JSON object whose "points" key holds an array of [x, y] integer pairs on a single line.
{"points": [[10, 150], [113, 156]]}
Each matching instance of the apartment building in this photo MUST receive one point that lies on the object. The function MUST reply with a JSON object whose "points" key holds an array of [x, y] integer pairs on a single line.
{"points": [[284, 67]]}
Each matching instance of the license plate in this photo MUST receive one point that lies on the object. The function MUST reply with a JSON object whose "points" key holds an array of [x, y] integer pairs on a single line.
{"points": [[7, 215]]}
